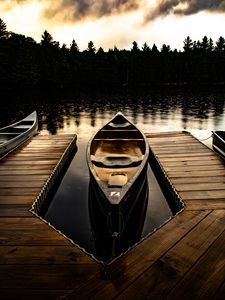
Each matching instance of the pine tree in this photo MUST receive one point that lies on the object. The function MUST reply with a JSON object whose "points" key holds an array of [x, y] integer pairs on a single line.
{"points": [[91, 47], [188, 44], [74, 47], [220, 44], [3, 29]]}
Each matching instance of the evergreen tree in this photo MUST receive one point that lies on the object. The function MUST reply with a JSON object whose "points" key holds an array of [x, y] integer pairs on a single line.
{"points": [[154, 49], [100, 51], [3, 29], [74, 47], [211, 45], [91, 47], [165, 48], [220, 44], [188, 44], [47, 40], [205, 44], [23, 62], [135, 47], [146, 48]]}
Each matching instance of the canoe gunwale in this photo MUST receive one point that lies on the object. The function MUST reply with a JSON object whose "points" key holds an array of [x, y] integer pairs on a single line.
{"points": [[123, 190], [19, 137]]}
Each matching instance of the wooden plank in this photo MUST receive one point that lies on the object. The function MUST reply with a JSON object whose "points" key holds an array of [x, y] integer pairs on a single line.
{"points": [[10, 199], [166, 152], [23, 178], [27, 167], [166, 272], [167, 133], [29, 163], [40, 146], [59, 137], [21, 184], [195, 168], [200, 195], [174, 144], [35, 156], [34, 191], [202, 179], [36, 150], [205, 277], [27, 159], [43, 255], [27, 171], [192, 158], [183, 163], [159, 137], [15, 210], [204, 155], [44, 276], [181, 150], [140, 258], [28, 231], [196, 173], [200, 186], [205, 204], [34, 294]]}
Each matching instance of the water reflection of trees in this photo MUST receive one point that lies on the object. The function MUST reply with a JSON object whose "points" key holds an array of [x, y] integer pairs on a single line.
{"points": [[59, 111]]}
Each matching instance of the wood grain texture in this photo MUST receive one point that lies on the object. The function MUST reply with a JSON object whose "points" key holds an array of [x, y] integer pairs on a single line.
{"points": [[184, 259], [194, 170]]}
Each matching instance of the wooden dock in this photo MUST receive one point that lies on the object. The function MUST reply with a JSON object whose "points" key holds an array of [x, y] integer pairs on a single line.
{"points": [[184, 259]]}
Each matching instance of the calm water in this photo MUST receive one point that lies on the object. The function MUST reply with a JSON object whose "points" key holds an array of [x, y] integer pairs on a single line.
{"points": [[70, 210]]}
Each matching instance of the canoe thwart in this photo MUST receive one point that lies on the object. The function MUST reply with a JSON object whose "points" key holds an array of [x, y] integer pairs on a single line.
{"points": [[116, 161]]}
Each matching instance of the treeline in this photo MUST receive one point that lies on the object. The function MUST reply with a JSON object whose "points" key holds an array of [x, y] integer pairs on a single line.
{"points": [[26, 63]]}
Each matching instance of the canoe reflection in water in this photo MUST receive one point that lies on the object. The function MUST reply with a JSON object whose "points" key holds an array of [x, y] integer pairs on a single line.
{"points": [[108, 245]]}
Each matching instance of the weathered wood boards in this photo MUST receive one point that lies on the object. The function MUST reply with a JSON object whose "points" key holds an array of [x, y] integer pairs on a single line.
{"points": [[195, 171], [33, 256], [184, 259]]}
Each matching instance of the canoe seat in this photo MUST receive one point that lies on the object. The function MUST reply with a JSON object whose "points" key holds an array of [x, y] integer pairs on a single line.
{"points": [[117, 180], [119, 125], [116, 161]]}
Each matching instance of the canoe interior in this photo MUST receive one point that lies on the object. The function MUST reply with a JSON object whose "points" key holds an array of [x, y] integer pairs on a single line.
{"points": [[121, 158], [221, 134], [13, 135]]}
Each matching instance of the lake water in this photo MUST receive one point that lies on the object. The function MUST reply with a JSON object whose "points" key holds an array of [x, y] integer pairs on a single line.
{"points": [[155, 110]]}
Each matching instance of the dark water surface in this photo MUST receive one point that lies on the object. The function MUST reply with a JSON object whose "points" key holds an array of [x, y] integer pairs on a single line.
{"points": [[167, 109]]}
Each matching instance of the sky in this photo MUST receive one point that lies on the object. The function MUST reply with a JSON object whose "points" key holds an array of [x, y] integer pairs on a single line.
{"points": [[110, 23]]}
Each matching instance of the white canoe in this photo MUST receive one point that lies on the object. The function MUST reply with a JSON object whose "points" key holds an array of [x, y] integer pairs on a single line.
{"points": [[15, 134], [117, 157]]}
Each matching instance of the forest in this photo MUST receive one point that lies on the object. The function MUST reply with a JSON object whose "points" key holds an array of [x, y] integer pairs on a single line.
{"points": [[24, 63]]}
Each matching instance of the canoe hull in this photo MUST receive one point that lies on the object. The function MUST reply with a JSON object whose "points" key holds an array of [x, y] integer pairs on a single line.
{"points": [[117, 215], [219, 142], [106, 246], [117, 157], [14, 135]]}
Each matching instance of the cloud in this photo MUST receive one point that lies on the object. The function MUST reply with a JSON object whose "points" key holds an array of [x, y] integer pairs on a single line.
{"points": [[184, 7], [75, 10]]}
